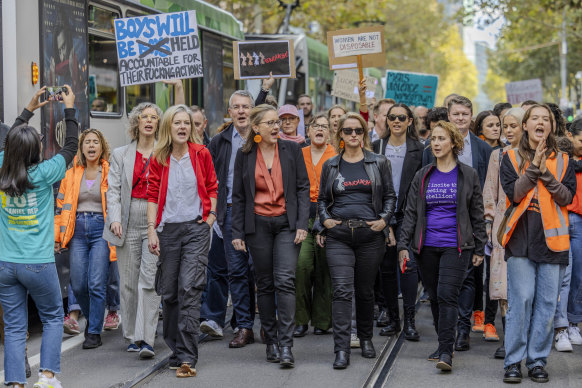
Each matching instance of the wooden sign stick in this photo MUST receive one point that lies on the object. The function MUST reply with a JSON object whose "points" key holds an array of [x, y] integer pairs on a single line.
{"points": [[360, 68]]}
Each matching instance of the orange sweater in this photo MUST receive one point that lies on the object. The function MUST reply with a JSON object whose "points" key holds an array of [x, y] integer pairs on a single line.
{"points": [[314, 171]]}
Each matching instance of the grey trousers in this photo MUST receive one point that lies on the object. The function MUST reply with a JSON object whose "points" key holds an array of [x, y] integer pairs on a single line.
{"points": [[137, 273], [183, 263]]}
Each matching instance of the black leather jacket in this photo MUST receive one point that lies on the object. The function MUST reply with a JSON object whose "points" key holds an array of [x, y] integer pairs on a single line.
{"points": [[380, 173]]}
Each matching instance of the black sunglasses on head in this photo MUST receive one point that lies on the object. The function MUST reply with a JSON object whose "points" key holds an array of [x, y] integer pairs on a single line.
{"points": [[402, 118], [349, 131]]}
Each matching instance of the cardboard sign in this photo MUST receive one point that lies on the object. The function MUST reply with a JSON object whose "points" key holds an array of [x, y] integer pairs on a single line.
{"points": [[345, 85], [344, 46], [412, 88], [520, 91], [158, 47], [257, 58]]}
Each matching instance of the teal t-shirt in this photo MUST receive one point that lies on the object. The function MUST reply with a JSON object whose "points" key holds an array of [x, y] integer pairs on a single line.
{"points": [[27, 223]]}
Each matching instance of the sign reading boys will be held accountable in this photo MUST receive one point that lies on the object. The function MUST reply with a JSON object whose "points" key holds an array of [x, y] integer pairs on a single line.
{"points": [[412, 88], [158, 47]]}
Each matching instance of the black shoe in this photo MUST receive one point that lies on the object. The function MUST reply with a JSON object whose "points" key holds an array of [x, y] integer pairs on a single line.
{"points": [[462, 342], [392, 329], [368, 350], [424, 297], [342, 360], [538, 374], [318, 331], [409, 328], [383, 319], [174, 364], [500, 352], [445, 362], [287, 359], [92, 341], [300, 331], [273, 354], [512, 374], [434, 356]]}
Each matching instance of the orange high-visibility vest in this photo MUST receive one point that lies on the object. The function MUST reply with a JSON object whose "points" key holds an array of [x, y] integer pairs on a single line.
{"points": [[554, 217]]}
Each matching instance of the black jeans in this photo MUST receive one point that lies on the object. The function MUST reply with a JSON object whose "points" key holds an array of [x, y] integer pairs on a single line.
{"points": [[478, 299], [443, 272], [183, 264], [490, 305], [466, 300], [408, 281], [353, 256], [275, 258]]}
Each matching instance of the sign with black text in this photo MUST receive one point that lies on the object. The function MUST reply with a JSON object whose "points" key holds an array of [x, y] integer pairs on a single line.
{"points": [[412, 88], [257, 58], [520, 91], [158, 47]]}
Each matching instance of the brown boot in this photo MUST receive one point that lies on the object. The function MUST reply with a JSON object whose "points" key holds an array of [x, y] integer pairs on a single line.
{"points": [[242, 338]]}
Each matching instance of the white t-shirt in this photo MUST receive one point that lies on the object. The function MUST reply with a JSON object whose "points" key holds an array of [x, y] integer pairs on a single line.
{"points": [[396, 157]]}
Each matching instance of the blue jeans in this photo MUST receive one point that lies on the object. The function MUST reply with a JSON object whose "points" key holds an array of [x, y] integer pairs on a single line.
{"points": [[112, 298], [561, 316], [532, 295], [235, 266], [575, 296], [89, 261], [72, 304], [41, 282]]}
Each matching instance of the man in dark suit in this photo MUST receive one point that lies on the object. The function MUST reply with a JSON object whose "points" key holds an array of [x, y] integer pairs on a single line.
{"points": [[476, 154]]}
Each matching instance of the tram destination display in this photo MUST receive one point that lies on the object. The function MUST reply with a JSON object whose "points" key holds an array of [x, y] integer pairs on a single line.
{"points": [[158, 47], [258, 58]]}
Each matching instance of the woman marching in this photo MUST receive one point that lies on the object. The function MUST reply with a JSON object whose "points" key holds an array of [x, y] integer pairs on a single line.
{"points": [[495, 204], [79, 222], [312, 268], [539, 182], [181, 193], [270, 213], [355, 204], [443, 225], [488, 128], [26, 242]]}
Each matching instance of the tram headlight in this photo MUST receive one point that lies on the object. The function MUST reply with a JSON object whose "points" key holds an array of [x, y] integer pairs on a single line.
{"points": [[34, 69]]}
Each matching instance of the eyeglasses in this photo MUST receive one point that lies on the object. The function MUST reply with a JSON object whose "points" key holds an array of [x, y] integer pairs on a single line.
{"points": [[271, 123], [150, 117], [402, 118], [349, 131], [289, 119], [318, 126], [243, 107]]}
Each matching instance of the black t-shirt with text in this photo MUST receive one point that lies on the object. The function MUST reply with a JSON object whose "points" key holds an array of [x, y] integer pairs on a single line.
{"points": [[352, 193]]}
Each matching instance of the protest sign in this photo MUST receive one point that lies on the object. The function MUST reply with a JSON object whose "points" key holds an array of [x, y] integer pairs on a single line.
{"points": [[344, 47], [345, 85], [520, 91], [412, 88], [256, 59], [158, 47]]}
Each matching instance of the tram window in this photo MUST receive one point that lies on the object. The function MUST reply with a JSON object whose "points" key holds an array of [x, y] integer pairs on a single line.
{"points": [[103, 76], [102, 19], [136, 94]]}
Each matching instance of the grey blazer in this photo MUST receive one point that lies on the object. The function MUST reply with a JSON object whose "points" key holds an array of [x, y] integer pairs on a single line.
{"points": [[120, 179]]}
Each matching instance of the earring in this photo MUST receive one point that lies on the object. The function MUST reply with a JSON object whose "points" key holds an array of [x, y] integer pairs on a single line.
{"points": [[341, 144], [258, 138]]}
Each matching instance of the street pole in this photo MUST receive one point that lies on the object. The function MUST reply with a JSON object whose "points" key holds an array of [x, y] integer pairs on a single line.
{"points": [[563, 54]]}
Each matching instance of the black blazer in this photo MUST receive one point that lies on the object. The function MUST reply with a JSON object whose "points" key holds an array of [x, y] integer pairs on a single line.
{"points": [[295, 186], [480, 152], [412, 163], [220, 149]]}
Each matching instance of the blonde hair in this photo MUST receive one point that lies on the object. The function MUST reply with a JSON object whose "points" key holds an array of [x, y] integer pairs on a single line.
{"points": [[457, 139], [105, 150], [338, 134], [163, 148], [255, 117]]}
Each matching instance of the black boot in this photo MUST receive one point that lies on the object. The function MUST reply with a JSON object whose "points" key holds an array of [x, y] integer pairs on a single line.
{"points": [[409, 328], [368, 350], [393, 326], [273, 354], [287, 359], [342, 360], [383, 319]]}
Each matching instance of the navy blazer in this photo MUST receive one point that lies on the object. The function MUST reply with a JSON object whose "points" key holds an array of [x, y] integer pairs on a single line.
{"points": [[480, 152]]}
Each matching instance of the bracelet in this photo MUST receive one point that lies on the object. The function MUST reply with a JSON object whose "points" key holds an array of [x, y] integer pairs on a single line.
{"points": [[213, 213]]}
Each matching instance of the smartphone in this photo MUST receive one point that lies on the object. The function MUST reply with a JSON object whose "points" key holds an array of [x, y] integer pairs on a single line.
{"points": [[54, 93]]}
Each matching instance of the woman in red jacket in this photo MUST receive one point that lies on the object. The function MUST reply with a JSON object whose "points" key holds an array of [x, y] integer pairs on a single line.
{"points": [[181, 210]]}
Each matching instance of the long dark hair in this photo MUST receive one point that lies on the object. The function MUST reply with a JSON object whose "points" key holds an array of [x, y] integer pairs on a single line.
{"points": [[22, 151], [525, 151], [411, 130], [478, 128]]}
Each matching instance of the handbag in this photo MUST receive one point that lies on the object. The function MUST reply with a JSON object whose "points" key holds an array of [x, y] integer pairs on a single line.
{"points": [[503, 224]]}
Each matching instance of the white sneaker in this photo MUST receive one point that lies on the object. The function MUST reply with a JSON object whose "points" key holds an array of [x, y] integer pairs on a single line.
{"points": [[562, 342], [211, 328], [354, 341], [45, 382], [574, 335]]}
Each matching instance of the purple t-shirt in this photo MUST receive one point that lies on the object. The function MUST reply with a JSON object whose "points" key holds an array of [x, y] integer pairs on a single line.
{"points": [[441, 209]]}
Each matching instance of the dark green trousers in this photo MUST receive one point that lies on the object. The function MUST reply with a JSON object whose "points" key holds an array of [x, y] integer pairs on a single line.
{"points": [[312, 285]]}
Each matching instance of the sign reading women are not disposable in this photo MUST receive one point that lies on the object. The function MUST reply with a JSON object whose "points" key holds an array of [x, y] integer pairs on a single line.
{"points": [[158, 47]]}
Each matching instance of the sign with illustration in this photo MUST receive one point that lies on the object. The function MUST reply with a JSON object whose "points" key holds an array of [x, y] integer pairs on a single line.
{"points": [[258, 58]]}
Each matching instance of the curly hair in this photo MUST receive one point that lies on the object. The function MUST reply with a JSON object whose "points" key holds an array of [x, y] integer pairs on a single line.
{"points": [[133, 118], [457, 139]]}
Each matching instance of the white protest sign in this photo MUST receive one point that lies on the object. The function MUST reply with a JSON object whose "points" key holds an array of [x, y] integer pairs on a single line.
{"points": [[357, 44], [158, 47], [345, 85], [520, 91]]}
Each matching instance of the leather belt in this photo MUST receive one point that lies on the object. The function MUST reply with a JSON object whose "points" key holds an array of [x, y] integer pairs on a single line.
{"points": [[352, 224], [229, 205]]}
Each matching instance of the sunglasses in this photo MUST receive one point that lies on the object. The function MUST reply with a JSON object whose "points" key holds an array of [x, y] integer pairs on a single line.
{"points": [[402, 118], [349, 131]]}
